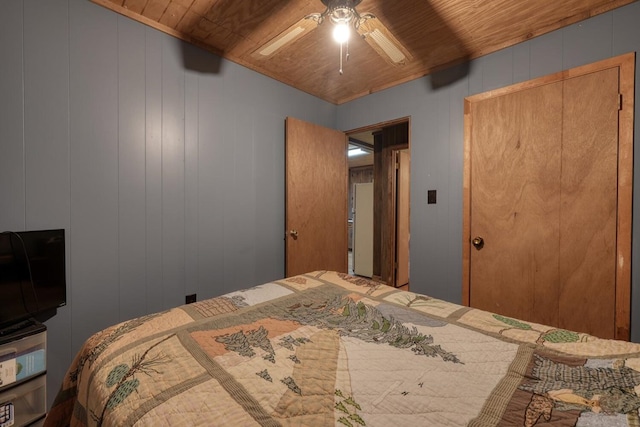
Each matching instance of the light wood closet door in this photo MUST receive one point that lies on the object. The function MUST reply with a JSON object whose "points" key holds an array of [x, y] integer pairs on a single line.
{"points": [[588, 203], [515, 181], [543, 202]]}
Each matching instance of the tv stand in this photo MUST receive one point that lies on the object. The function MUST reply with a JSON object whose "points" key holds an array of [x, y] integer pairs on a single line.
{"points": [[21, 326], [23, 376]]}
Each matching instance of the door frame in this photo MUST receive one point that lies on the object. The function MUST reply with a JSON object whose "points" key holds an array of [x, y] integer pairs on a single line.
{"points": [[626, 65], [388, 245]]}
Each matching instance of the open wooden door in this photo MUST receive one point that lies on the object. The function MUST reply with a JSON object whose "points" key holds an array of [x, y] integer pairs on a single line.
{"points": [[316, 187]]}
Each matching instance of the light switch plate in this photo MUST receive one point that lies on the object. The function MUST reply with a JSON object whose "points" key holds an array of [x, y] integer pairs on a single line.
{"points": [[431, 197]]}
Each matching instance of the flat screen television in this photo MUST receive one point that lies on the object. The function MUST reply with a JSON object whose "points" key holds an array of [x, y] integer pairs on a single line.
{"points": [[32, 274]]}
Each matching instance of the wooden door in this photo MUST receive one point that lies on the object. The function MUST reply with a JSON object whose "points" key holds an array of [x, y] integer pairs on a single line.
{"points": [[547, 199], [402, 217], [316, 198], [588, 210], [515, 182]]}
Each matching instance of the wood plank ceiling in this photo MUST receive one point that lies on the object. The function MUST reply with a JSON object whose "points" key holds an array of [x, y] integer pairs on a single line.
{"points": [[436, 33]]}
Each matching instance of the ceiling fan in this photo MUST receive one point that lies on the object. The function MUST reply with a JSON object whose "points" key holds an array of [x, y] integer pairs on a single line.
{"points": [[343, 14]]}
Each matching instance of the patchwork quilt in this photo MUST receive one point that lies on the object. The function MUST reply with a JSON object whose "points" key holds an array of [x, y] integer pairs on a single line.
{"points": [[328, 349]]}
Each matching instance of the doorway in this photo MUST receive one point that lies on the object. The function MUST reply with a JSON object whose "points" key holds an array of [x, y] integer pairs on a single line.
{"points": [[378, 201], [316, 199]]}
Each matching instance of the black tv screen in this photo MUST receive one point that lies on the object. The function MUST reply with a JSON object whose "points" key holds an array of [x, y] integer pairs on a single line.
{"points": [[32, 274]]}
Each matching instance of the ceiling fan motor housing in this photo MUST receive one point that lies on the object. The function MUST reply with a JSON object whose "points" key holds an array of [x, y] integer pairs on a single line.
{"points": [[341, 11]]}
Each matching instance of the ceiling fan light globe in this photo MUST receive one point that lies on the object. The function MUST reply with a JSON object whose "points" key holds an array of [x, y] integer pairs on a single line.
{"points": [[341, 33]]}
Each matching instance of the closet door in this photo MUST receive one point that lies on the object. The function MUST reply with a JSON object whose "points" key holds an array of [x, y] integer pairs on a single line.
{"points": [[547, 199], [588, 203], [515, 203]]}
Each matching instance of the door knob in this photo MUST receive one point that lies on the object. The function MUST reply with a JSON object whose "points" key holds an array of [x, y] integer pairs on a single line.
{"points": [[294, 234], [478, 242]]}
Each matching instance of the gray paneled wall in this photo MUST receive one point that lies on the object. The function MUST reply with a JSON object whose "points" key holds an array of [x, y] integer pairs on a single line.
{"points": [[437, 137], [164, 163]]}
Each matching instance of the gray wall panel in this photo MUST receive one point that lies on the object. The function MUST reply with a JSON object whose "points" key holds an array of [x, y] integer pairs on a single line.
{"points": [[244, 209], [439, 166], [46, 115], [12, 193], [626, 31], [546, 54], [455, 181], [173, 198], [498, 69], [131, 172], [93, 168], [521, 62], [191, 142], [588, 41], [475, 75], [230, 239], [153, 168], [212, 120], [269, 195], [424, 128], [46, 95]]}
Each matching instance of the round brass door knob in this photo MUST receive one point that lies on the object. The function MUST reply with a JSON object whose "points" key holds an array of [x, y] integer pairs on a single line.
{"points": [[477, 242]]}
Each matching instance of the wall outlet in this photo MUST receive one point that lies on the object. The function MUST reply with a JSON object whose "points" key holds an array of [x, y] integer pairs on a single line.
{"points": [[190, 298]]}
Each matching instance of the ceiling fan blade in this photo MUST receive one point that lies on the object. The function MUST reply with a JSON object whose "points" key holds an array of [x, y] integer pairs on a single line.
{"points": [[286, 37], [380, 38]]}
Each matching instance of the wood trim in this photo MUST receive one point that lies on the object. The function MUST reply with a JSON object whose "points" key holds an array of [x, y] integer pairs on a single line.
{"points": [[391, 137], [466, 205], [378, 198], [381, 125], [402, 208], [151, 23], [626, 65]]}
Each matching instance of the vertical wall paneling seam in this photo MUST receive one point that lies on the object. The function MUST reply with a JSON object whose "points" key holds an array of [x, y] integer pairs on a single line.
{"points": [[184, 180], [195, 133], [24, 139], [613, 33], [146, 174], [560, 222], [118, 200], [185, 199], [68, 234], [562, 67], [162, 48], [513, 65], [197, 188]]}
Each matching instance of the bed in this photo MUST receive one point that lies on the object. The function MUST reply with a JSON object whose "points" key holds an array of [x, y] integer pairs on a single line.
{"points": [[327, 348]]}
